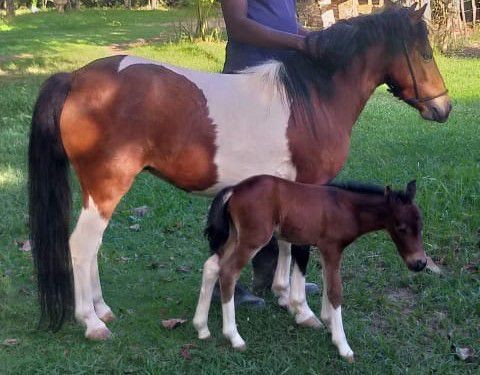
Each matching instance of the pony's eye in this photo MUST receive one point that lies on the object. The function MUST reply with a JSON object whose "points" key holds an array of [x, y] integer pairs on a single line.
{"points": [[427, 54]]}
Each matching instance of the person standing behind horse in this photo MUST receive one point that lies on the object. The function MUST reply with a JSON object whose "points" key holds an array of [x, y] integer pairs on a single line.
{"points": [[258, 31]]}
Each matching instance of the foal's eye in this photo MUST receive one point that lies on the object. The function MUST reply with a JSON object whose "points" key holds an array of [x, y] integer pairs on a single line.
{"points": [[402, 228]]}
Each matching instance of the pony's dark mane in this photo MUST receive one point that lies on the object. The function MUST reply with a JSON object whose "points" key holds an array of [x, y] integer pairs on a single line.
{"points": [[368, 189], [332, 50]]}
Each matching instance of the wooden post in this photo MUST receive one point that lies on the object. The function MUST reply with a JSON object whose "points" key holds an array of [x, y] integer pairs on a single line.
{"points": [[354, 8], [10, 9]]}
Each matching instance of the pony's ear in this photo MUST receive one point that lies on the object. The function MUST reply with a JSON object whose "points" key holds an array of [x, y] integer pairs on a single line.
{"points": [[411, 189], [389, 3], [388, 190], [417, 15]]}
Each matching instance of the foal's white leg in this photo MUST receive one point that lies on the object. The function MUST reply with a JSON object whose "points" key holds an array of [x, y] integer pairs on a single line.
{"points": [[338, 334], [325, 313], [332, 318], [298, 306], [230, 327], [84, 243], [101, 308], [281, 280], [210, 276]]}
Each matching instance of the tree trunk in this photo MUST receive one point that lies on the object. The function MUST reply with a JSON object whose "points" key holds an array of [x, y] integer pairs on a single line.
{"points": [[462, 12], [154, 4], [128, 4], [474, 14], [77, 4], [10, 9]]}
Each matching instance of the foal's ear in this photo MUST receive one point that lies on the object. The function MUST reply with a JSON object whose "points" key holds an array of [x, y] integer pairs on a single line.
{"points": [[411, 189]]}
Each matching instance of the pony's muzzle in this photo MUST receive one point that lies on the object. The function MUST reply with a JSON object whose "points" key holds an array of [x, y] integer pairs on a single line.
{"points": [[437, 109]]}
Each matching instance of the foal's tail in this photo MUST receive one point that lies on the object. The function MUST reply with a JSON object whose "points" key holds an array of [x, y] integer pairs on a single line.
{"points": [[50, 201], [218, 222]]}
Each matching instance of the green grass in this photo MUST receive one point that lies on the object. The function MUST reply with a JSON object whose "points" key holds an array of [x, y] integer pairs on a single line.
{"points": [[395, 321]]}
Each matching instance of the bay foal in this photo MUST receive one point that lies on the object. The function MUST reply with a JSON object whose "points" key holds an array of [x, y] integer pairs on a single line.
{"points": [[243, 218]]}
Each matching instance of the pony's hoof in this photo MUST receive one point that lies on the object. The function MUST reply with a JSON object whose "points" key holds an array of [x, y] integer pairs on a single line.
{"points": [[99, 334], [350, 358], [108, 317], [312, 322]]}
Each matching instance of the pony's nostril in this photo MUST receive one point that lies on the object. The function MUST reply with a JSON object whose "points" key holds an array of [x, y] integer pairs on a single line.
{"points": [[435, 112]]}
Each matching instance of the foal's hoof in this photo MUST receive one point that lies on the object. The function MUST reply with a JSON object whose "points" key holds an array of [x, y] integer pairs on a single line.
{"points": [[99, 334], [240, 348], [204, 334], [312, 322], [107, 317]]}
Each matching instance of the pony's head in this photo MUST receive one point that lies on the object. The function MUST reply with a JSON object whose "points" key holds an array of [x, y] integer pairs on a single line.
{"points": [[413, 75], [406, 61], [404, 224]]}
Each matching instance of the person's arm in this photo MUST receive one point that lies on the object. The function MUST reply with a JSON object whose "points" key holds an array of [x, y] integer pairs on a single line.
{"points": [[303, 31], [244, 30]]}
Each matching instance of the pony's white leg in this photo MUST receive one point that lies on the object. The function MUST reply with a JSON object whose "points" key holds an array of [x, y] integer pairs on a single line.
{"points": [[210, 276], [338, 334], [230, 327], [281, 280], [84, 243], [298, 305], [101, 308]]}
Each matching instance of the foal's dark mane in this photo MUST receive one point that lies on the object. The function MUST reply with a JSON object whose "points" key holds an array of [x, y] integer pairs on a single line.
{"points": [[334, 48], [369, 189]]}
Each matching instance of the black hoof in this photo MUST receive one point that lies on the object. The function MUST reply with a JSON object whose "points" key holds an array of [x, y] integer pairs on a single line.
{"points": [[311, 289]]}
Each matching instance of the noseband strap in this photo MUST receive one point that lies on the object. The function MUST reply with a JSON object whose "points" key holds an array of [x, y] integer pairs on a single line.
{"points": [[395, 90]]}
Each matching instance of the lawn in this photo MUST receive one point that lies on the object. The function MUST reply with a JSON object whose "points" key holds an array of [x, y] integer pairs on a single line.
{"points": [[395, 321]]}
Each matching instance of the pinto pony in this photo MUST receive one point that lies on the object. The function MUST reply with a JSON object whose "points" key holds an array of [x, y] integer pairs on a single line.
{"points": [[122, 115], [243, 218]]}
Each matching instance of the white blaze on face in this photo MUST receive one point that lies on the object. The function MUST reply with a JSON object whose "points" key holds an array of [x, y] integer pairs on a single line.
{"points": [[250, 114]]}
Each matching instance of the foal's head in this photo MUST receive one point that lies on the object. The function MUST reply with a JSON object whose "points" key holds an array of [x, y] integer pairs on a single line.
{"points": [[404, 225], [413, 75]]}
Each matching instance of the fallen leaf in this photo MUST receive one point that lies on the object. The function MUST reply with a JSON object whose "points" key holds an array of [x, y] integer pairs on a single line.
{"points": [[185, 351], [140, 211], [431, 266], [172, 323], [473, 268], [24, 245], [466, 354], [184, 269], [135, 227], [10, 342]]}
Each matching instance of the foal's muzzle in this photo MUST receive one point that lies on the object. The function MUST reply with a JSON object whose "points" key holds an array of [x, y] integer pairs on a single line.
{"points": [[418, 265]]}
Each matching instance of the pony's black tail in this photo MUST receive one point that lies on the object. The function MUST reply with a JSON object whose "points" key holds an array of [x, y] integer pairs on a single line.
{"points": [[218, 222], [50, 201]]}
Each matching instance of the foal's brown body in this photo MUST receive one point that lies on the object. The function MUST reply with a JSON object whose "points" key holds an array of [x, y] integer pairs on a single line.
{"points": [[243, 218]]}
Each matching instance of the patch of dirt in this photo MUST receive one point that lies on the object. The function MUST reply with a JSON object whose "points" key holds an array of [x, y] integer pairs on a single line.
{"points": [[4, 58], [404, 298], [379, 325], [470, 51]]}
